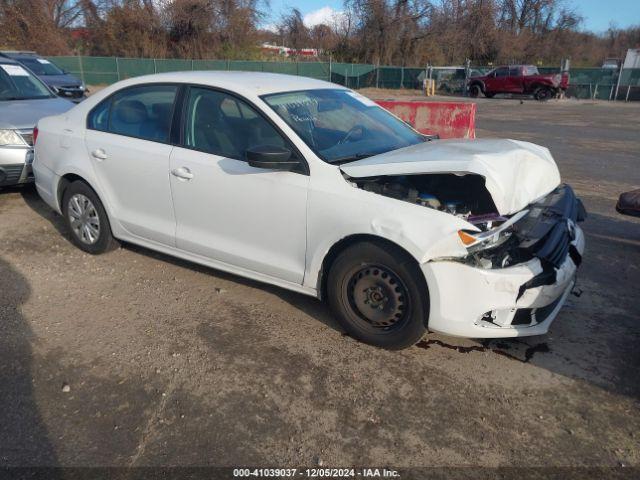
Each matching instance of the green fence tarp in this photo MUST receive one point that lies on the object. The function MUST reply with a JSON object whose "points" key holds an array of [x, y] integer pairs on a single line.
{"points": [[598, 83]]}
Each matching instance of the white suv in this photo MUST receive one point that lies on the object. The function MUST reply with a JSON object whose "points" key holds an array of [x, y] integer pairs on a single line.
{"points": [[310, 186]]}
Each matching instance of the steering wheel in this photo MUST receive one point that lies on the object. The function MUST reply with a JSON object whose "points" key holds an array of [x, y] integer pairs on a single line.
{"points": [[350, 133]]}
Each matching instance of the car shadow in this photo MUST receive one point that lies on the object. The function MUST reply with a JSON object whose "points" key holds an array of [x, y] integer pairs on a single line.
{"points": [[34, 202], [309, 305], [594, 337], [24, 439]]}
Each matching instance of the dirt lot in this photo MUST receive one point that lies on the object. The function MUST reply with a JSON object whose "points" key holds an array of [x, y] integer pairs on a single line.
{"points": [[134, 358]]}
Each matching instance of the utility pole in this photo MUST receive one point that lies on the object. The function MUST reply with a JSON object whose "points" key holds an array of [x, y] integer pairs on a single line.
{"points": [[618, 83]]}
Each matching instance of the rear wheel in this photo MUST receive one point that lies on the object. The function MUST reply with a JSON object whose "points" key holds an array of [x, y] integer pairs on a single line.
{"points": [[475, 91], [87, 219], [543, 94], [379, 295]]}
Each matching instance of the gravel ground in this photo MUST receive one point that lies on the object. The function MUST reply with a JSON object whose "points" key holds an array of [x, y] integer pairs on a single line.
{"points": [[137, 359]]}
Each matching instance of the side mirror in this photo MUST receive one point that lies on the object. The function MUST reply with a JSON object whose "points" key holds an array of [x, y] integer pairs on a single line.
{"points": [[271, 157]]}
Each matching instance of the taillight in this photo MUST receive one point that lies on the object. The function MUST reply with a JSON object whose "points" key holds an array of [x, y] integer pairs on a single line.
{"points": [[35, 135]]}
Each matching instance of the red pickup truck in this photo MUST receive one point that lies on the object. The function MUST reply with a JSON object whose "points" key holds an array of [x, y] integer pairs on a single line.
{"points": [[522, 79]]}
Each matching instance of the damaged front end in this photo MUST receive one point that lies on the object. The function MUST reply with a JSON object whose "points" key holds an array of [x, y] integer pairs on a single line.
{"points": [[544, 230], [519, 268]]}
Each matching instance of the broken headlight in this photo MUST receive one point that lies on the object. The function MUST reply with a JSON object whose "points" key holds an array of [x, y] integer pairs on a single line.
{"points": [[482, 246]]}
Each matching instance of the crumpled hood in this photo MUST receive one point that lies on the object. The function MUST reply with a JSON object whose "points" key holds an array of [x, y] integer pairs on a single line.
{"points": [[516, 173], [26, 113]]}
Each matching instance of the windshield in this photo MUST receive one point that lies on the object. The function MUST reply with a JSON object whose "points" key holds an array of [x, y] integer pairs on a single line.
{"points": [[341, 125], [40, 66], [16, 83]]}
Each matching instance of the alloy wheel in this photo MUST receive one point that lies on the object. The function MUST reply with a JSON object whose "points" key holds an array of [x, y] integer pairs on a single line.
{"points": [[84, 219]]}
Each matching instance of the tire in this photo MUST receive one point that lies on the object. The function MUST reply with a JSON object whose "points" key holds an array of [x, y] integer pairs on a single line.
{"points": [[542, 94], [87, 220], [379, 295], [475, 90]]}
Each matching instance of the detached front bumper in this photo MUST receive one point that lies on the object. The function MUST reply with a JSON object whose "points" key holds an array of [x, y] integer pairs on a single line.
{"points": [[489, 303], [519, 300]]}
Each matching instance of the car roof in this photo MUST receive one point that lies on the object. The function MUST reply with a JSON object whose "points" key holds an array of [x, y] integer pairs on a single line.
{"points": [[249, 83], [8, 60], [18, 54]]}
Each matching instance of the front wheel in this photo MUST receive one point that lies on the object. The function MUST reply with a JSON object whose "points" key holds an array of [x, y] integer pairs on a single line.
{"points": [[543, 94], [87, 219], [475, 91], [379, 295]]}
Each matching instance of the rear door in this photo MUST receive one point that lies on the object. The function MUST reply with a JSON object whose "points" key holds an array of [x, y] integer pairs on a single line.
{"points": [[127, 142], [226, 210]]}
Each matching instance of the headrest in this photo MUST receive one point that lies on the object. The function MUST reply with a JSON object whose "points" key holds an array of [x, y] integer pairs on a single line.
{"points": [[161, 110], [131, 111], [208, 108]]}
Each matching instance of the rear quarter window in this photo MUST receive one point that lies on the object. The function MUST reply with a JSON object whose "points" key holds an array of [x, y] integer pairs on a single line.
{"points": [[99, 116]]}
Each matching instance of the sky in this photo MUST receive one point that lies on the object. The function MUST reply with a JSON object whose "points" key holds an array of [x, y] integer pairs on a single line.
{"points": [[598, 14]]}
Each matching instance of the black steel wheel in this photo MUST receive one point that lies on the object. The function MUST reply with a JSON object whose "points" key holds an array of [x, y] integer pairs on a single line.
{"points": [[379, 295]]}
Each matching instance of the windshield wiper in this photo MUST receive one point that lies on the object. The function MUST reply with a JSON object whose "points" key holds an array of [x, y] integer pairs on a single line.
{"points": [[350, 158]]}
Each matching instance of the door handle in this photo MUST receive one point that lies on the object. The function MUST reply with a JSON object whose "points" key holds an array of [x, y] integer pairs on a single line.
{"points": [[183, 172], [99, 154]]}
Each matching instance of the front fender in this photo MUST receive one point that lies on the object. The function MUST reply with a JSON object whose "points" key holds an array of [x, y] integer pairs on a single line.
{"points": [[423, 232]]}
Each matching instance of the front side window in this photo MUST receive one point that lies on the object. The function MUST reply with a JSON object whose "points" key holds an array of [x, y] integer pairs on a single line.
{"points": [[224, 125], [341, 125], [17, 83]]}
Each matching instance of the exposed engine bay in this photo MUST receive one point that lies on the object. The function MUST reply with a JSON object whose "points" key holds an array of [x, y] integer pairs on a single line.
{"points": [[462, 195], [542, 230]]}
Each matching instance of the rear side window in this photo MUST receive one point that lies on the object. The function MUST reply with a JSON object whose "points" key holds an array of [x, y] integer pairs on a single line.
{"points": [[142, 112], [514, 71], [530, 70]]}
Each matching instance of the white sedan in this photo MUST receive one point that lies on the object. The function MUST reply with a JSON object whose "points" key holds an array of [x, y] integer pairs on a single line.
{"points": [[312, 187]]}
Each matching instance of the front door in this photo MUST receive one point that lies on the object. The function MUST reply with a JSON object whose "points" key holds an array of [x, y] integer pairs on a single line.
{"points": [[226, 210], [496, 81]]}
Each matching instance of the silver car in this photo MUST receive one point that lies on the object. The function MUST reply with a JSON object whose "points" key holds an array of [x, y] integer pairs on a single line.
{"points": [[24, 100]]}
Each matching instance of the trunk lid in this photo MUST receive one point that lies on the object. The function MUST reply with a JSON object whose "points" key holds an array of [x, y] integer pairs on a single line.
{"points": [[516, 173]]}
